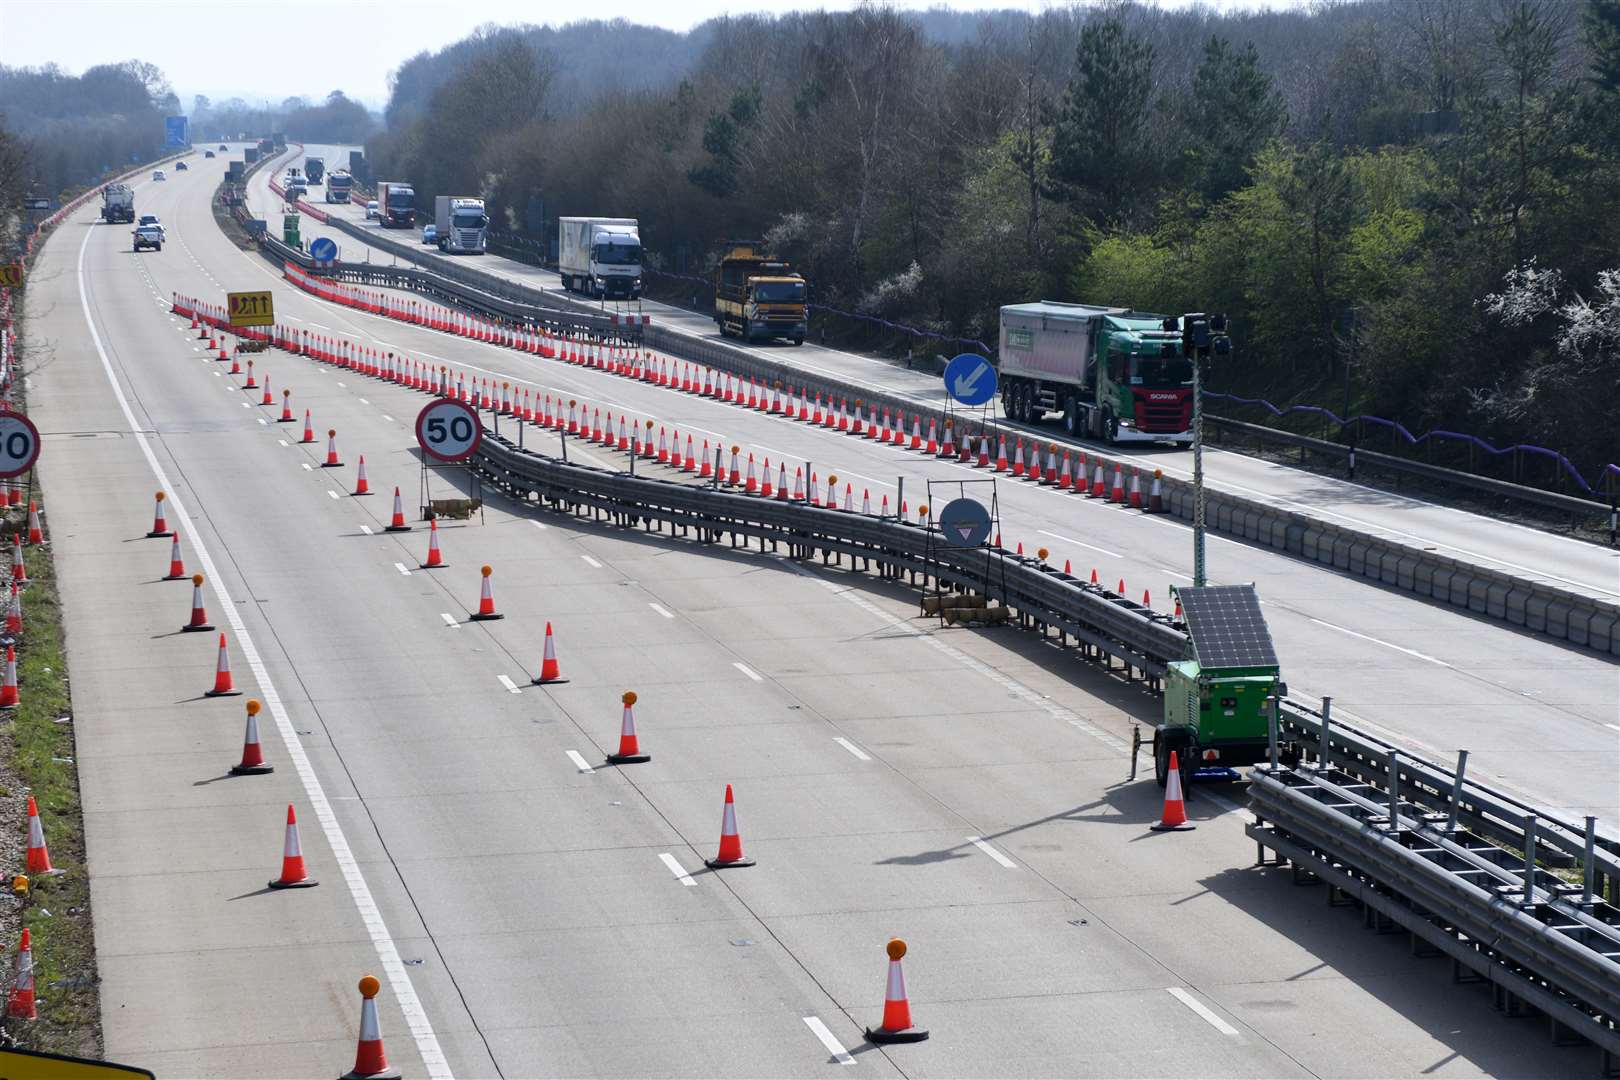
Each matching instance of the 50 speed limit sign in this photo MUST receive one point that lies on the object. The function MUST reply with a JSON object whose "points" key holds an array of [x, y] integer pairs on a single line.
{"points": [[19, 443], [448, 430]]}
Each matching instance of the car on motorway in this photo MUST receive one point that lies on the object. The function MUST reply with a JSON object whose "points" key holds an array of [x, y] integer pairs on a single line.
{"points": [[208, 153], [181, 166], [371, 209], [222, 146], [157, 174], [430, 234], [151, 220], [149, 236]]}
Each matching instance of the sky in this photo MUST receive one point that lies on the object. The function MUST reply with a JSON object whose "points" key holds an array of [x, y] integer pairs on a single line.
{"points": [[201, 46]]}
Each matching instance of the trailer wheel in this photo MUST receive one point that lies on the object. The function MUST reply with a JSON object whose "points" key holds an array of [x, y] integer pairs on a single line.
{"points": [[1071, 416], [1185, 751], [1110, 424]]}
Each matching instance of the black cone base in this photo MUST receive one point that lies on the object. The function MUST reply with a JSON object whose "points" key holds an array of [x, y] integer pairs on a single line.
{"points": [[485, 618], [251, 770], [396, 528], [716, 864], [190, 628], [307, 883], [222, 693], [547, 682], [909, 1035], [626, 759], [390, 1074], [331, 464], [158, 535]]}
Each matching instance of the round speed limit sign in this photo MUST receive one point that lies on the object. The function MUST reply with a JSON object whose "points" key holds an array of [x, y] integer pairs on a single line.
{"points": [[448, 430], [19, 443]]}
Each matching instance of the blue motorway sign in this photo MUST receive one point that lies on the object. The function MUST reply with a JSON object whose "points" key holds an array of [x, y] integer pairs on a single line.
{"points": [[323, 249], [176, 132], [965, 523], [970, 379]]}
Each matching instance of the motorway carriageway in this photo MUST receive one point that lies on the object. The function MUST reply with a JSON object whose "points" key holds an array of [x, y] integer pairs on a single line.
{"points": [[1585, 568], [1536, 715], [521, 909]]}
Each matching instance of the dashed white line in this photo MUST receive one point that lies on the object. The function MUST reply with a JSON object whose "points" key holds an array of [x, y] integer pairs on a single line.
{"points": [[366, 529], [363, 401], [1081, 543], [1202, 1010], [262, 420], [449, 619], [579, 761], [662, 610], [308, 467], [404, 571], [511, 687], [746, 670], [591, 561], [676, 868], [334, 494], [342, 385], [283, 442], [1614, 726], [388, 418], [1380, 641], [829, 1040], [992, 852], [852, 748]]}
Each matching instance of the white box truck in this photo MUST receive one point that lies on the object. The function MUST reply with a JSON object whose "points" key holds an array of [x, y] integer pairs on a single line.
{"points": [[600, 257], [461, 224], [117, 203]]}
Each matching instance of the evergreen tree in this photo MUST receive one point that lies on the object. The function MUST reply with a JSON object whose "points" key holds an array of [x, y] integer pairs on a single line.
{"points": [[1234, 112], [1101, 144]]}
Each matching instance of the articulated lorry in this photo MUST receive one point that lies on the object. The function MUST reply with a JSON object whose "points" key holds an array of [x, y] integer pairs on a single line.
{"points": [[600, 257], [756, 296], [314, 168], [460, 223], [338, 187], [117, 203], [1113, 373], [396, 205]]}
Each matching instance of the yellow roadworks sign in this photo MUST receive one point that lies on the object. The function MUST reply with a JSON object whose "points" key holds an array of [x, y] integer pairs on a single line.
{"points": [[251, 309], [31, 1065], [10, 275]]}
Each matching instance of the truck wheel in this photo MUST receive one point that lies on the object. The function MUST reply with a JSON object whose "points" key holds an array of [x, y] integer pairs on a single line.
{"points": [[1161, 762], [1071, 417], [799, 340], [1110, 424]]}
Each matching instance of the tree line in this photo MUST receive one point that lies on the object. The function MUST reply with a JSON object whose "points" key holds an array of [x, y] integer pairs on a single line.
{"points": [[73, 128], [1352, 183]]}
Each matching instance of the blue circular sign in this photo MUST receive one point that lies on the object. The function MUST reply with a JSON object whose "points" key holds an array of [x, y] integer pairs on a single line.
{"points": [[323, 249], [970, 379], [965, 523]]}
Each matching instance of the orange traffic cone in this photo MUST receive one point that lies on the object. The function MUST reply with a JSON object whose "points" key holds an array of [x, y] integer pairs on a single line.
{"points": [[435, 558], [199, 614], [398, 522], [14, 622], [486, 600], [629, 748], [309, 429], [8, 685], [331, 461], [177, 566], [160, 525], [731, 852], [20, 1004], [361, 487], [19, 571], [39, 856], [287, 416], [222, 674], [1156, 494], [549, 671], [293, 875], [896, 1026], [1175, 810], [370, 1062], [253, 762], [36, 535]]}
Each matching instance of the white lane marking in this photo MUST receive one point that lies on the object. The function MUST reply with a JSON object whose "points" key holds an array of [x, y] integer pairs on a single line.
{"points": [[388, 418], [511, 687], [334, 494], [427, 1044], [829, 1040], [283, 442], [404, 571], [579, 761], [318, 326], [662, 610], [1380, 641], [262, 420], [366, 529], [342, 385], [1202, 1010], [676, 868], [1082, 543], [363, 401], [538, 525], [852, 748], [746, 670], [1615, 726], [308, 467], [449, 619], [591, 561], [992, 852]]}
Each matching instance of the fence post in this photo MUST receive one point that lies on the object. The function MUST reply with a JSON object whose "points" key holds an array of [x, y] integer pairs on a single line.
{"points": [[1327, 722], [1456, 791], [1529, 859]]}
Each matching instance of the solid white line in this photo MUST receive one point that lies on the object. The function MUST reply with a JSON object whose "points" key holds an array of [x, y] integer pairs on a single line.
{"points": [[852, 748], [993, 853], [661, 609], [591, 561], [746, 670], [334, 494], [676, 868], [449, 619], [404, 571], [829, 1040], [511, 687], [1082, 543], [1378, 641], [579, 761], [427, 1044], [366, 529], [1202, 1010]]}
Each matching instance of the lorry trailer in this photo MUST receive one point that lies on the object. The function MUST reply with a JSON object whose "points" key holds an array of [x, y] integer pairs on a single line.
{"points": [[117, 203]]}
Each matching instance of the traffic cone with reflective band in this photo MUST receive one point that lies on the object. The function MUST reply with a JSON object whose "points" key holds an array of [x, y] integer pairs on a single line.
{"points": [[286, 409], [20, 1003], [199, 614], [1136, 488], [398, 522], [1116, 490], [370, 1062], [731, 852], [435, 558], [309, 429], [38, 860], [252, 763], [223, 686], [629, 747], [177, 565], [267, 399], [896, 1026], [160, 524], [8, 685], [486, 600], [1175, 809], [549, 671], [361, 487], [293, 874], [36, 535], [14, 618], [331, 461], [1156, 494]]}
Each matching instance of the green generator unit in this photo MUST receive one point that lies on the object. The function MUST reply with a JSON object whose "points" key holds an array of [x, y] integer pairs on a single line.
{"points": [[290, 232], [1217, 702]]}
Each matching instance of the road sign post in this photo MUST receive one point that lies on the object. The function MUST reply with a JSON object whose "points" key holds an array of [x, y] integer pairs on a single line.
{"points": [[251, 308]]}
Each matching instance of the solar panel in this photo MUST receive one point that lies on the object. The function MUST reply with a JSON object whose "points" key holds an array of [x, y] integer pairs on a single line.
{"points": [[1227, 627]]}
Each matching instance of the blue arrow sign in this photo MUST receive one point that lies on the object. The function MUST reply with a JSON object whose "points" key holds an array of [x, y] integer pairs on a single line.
{"points": [[323, 249], [964, 523], [970, 379]]}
